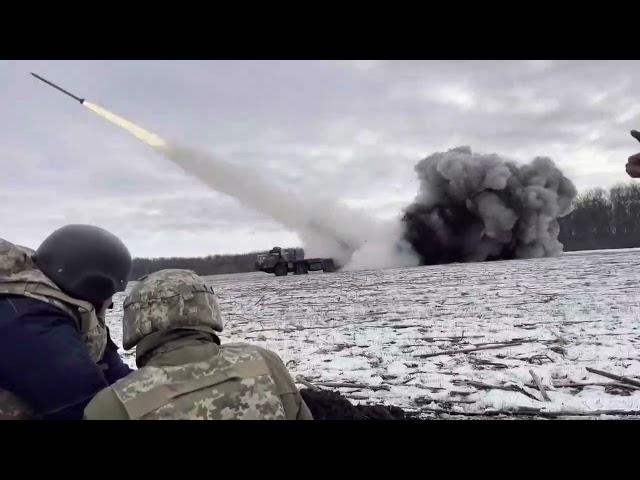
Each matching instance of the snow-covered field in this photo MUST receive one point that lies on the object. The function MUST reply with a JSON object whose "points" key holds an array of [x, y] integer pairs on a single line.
{"points": [[374, 328]]}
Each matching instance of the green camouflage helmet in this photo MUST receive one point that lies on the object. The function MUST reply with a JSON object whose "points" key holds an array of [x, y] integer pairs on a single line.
{"points": [[166, 300]]}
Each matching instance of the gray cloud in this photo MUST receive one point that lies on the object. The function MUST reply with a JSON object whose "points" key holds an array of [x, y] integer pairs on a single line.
{"points": [[352, 130]]}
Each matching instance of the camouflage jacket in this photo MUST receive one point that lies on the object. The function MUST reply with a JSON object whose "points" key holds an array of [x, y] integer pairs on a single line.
{"points": [[20, 276], [184, 375]]}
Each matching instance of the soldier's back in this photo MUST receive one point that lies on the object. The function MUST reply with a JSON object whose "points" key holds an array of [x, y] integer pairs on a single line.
{"points": [[238, 382]]}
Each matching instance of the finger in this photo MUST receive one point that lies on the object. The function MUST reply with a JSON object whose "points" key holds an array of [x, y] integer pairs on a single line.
{"points": [[633, 170], [635, 134]]}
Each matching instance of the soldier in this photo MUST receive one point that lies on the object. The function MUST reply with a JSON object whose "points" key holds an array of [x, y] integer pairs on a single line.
{"points": [[55, 350], [633, 165], [172, 318]]}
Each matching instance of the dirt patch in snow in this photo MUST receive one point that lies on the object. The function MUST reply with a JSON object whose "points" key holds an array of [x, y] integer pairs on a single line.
{"points": [[329, 405]]}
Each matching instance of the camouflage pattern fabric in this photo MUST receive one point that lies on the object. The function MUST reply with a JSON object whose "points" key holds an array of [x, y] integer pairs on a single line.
{"points": [[20, 276], [169, 299], [234, 385]]}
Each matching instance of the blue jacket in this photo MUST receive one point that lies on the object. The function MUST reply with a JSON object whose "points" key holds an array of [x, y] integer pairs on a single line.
{"points": [[44, 361]]}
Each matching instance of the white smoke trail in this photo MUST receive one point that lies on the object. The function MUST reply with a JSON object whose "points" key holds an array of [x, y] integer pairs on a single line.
{"points": [[325, 227]]}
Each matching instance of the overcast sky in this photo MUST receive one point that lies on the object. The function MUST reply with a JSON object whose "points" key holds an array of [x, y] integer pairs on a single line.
{"points": [[349, 129]]}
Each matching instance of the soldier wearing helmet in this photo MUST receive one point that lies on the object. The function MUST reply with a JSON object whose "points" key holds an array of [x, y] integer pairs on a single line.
{"points": [[172, 318], [55, 350]]}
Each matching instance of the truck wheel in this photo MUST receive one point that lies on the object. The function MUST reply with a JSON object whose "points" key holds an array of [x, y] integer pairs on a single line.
{"points": [[328, 266], [301, 269], [280, 270]]}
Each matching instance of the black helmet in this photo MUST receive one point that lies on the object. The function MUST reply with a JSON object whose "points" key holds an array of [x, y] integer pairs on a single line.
{"points": [[86, 262]]}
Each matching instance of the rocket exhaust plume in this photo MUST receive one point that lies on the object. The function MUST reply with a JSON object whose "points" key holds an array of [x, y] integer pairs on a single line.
{"points": [[140, 133]]}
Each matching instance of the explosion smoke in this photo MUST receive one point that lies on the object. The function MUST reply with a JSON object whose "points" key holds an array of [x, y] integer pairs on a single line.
{"points": [[474, 207]]}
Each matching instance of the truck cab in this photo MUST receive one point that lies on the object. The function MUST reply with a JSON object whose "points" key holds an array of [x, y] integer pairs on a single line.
{"points": [[281, 261]]}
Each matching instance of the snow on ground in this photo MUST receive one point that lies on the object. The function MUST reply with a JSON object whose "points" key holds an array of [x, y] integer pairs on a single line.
{"points": [[372, 328]]}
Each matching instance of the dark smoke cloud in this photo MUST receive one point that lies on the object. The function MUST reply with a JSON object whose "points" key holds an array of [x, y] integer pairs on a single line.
{"points": [[475, 207]]}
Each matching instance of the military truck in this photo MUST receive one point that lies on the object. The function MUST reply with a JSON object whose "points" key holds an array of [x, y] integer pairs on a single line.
{"points": [[281, 261]]}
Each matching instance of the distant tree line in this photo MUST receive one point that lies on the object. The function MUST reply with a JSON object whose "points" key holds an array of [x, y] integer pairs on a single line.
{"points": [[210, 265], [603, 219]]}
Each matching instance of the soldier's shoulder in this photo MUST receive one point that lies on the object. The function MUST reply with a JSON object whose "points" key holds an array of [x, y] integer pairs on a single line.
{"points": [[110, 402], [279, 371], [139, 381], [271, 356], [247, 347], [14, 309]]}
